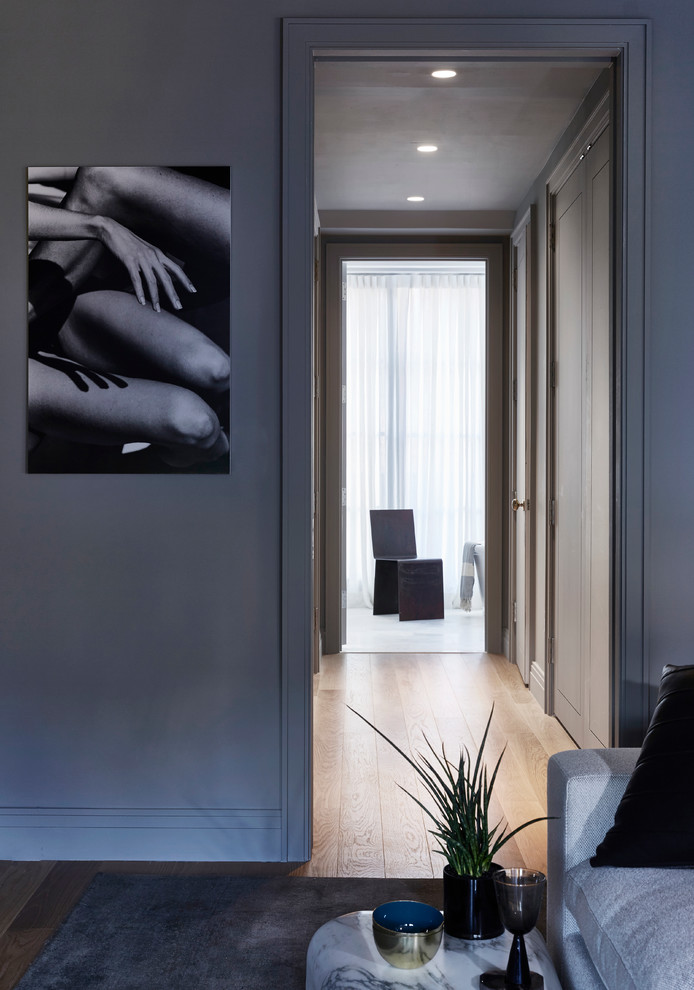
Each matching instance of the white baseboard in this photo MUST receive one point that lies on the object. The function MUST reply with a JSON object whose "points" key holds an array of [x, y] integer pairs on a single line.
{"points": [[537, 683]]}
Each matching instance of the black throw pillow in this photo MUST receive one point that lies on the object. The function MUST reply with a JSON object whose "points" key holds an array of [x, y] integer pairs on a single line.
{"points": [[654, 823]]}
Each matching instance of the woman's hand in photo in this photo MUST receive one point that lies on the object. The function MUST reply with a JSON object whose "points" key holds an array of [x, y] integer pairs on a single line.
{"points": [[149, 268]]}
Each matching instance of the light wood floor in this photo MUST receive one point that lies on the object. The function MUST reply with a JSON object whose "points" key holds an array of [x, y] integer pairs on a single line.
{"points": [[364, 825]]}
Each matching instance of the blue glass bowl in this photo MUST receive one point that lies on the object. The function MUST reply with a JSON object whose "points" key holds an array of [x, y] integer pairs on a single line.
{"points": [[407, 933]]}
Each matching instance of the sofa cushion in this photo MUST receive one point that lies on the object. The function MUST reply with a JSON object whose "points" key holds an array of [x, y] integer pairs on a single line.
{"points": [[654, 823], [636, 924]]}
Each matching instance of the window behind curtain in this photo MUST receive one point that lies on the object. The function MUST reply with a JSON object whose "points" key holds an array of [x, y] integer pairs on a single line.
{"points": [[415, 409]]}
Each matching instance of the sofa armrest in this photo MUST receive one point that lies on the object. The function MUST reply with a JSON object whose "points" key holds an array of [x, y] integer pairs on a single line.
{"points": [[584, 788]]}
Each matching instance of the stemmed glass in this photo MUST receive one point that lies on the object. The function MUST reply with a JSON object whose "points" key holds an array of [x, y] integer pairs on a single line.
{"points": [[519, 896]]}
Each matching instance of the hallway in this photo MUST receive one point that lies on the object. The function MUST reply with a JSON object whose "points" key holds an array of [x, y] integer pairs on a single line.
{"points": [[364, 825]]}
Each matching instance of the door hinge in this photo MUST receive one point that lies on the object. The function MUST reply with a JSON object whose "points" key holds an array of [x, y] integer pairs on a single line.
{"points": [[515, 279], [515, 611], [344, 497], [552, 237], [344, 292], [550, 651], [515, 390], [344, 599], [344, 394], [585, 152]]}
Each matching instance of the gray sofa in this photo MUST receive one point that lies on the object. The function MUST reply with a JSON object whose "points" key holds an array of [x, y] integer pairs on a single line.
{"points": [[610, 928]]}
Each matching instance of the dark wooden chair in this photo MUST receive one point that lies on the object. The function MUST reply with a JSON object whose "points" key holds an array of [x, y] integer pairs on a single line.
{"points": [[404, 583]]}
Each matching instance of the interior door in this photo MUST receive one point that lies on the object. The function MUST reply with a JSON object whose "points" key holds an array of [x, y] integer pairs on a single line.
{"points": [[520, 499], [579, 509]]}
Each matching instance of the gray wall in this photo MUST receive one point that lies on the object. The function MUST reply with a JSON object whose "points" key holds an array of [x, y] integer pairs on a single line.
{"points": [[140, 616]]}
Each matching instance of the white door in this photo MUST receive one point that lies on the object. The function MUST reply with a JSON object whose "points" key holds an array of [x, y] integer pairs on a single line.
{"points": [[520, 468], [581, 431]]}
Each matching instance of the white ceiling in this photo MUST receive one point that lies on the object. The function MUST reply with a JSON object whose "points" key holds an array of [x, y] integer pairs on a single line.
{"points": [[495, 125]]}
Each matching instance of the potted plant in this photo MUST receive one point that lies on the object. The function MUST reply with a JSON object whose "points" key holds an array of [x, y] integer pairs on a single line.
{"points": [[461, 795]]}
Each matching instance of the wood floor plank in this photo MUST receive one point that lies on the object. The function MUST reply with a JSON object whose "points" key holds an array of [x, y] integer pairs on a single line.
{"points": [[360, 830], [360, 850], [442, 700], [332, 674], [329, 721], [55, 896], [422, 728], [405, 839], [19, 883], [17, 951]]}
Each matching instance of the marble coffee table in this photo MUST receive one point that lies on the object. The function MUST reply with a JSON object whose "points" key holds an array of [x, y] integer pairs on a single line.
{"points": [[342, 955]]}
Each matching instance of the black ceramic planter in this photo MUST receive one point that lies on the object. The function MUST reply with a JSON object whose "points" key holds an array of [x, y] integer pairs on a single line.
{"points": [[470, 910]]}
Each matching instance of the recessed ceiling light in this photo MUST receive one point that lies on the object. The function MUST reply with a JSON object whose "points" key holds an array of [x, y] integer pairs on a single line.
{"points": [[444, 74], [415, 199], [427, 147]]}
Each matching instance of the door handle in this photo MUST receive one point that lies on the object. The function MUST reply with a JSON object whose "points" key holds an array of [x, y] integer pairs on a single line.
{"points": [[516, 505]]}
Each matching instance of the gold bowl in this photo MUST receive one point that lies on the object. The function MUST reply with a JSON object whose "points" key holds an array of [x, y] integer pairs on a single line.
{"points": [[407, 933]]}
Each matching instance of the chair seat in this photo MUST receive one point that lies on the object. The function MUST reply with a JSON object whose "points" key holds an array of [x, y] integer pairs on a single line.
{"points": [[420, 589]]}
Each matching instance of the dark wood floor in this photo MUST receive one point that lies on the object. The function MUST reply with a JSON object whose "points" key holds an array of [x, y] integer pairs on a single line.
{"points": [[35, 898]]}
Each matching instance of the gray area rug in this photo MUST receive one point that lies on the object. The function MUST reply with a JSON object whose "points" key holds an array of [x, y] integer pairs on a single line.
{"points": [[202, 933]]}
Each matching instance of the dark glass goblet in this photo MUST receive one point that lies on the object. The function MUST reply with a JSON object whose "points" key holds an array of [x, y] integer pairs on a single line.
{"points": [[519, 895]]}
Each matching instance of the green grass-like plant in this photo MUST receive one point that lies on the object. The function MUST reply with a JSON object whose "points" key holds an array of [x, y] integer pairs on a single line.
{"points": [[462, 795]]}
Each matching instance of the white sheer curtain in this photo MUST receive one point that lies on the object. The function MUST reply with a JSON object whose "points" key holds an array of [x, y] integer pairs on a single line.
{"points": [[415, 413]]}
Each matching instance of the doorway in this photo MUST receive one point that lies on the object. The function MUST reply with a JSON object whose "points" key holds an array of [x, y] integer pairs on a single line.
{"points": [[481, 526], [303, 40]]}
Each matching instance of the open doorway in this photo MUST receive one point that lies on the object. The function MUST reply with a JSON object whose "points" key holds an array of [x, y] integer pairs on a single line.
{"points": [[473, 140], [455, 491], [414, 428], [500, 41]]}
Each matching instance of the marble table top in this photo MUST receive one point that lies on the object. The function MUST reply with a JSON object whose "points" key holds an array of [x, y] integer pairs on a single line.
{"points": [[342, 955]]}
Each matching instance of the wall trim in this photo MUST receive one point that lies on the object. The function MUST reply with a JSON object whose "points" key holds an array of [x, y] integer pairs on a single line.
{"points": [[158, 834], [423, 221]]}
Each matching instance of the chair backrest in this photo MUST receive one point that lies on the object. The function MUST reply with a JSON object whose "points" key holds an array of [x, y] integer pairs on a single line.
{"points": [[392, 534]]}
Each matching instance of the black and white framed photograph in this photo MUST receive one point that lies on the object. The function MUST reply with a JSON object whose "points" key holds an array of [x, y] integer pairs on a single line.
{"points": [[129, 319]]}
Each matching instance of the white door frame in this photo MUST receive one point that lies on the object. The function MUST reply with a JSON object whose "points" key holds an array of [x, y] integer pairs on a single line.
{"points": [[627, 41]]}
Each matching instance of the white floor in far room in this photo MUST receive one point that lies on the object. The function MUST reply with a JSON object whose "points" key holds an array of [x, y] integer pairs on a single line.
{"points": [[458, 632]]}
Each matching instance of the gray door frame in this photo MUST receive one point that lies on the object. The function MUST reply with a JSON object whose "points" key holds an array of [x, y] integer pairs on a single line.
{"points": [[374, 247], [627, 42], [521, 390]]}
